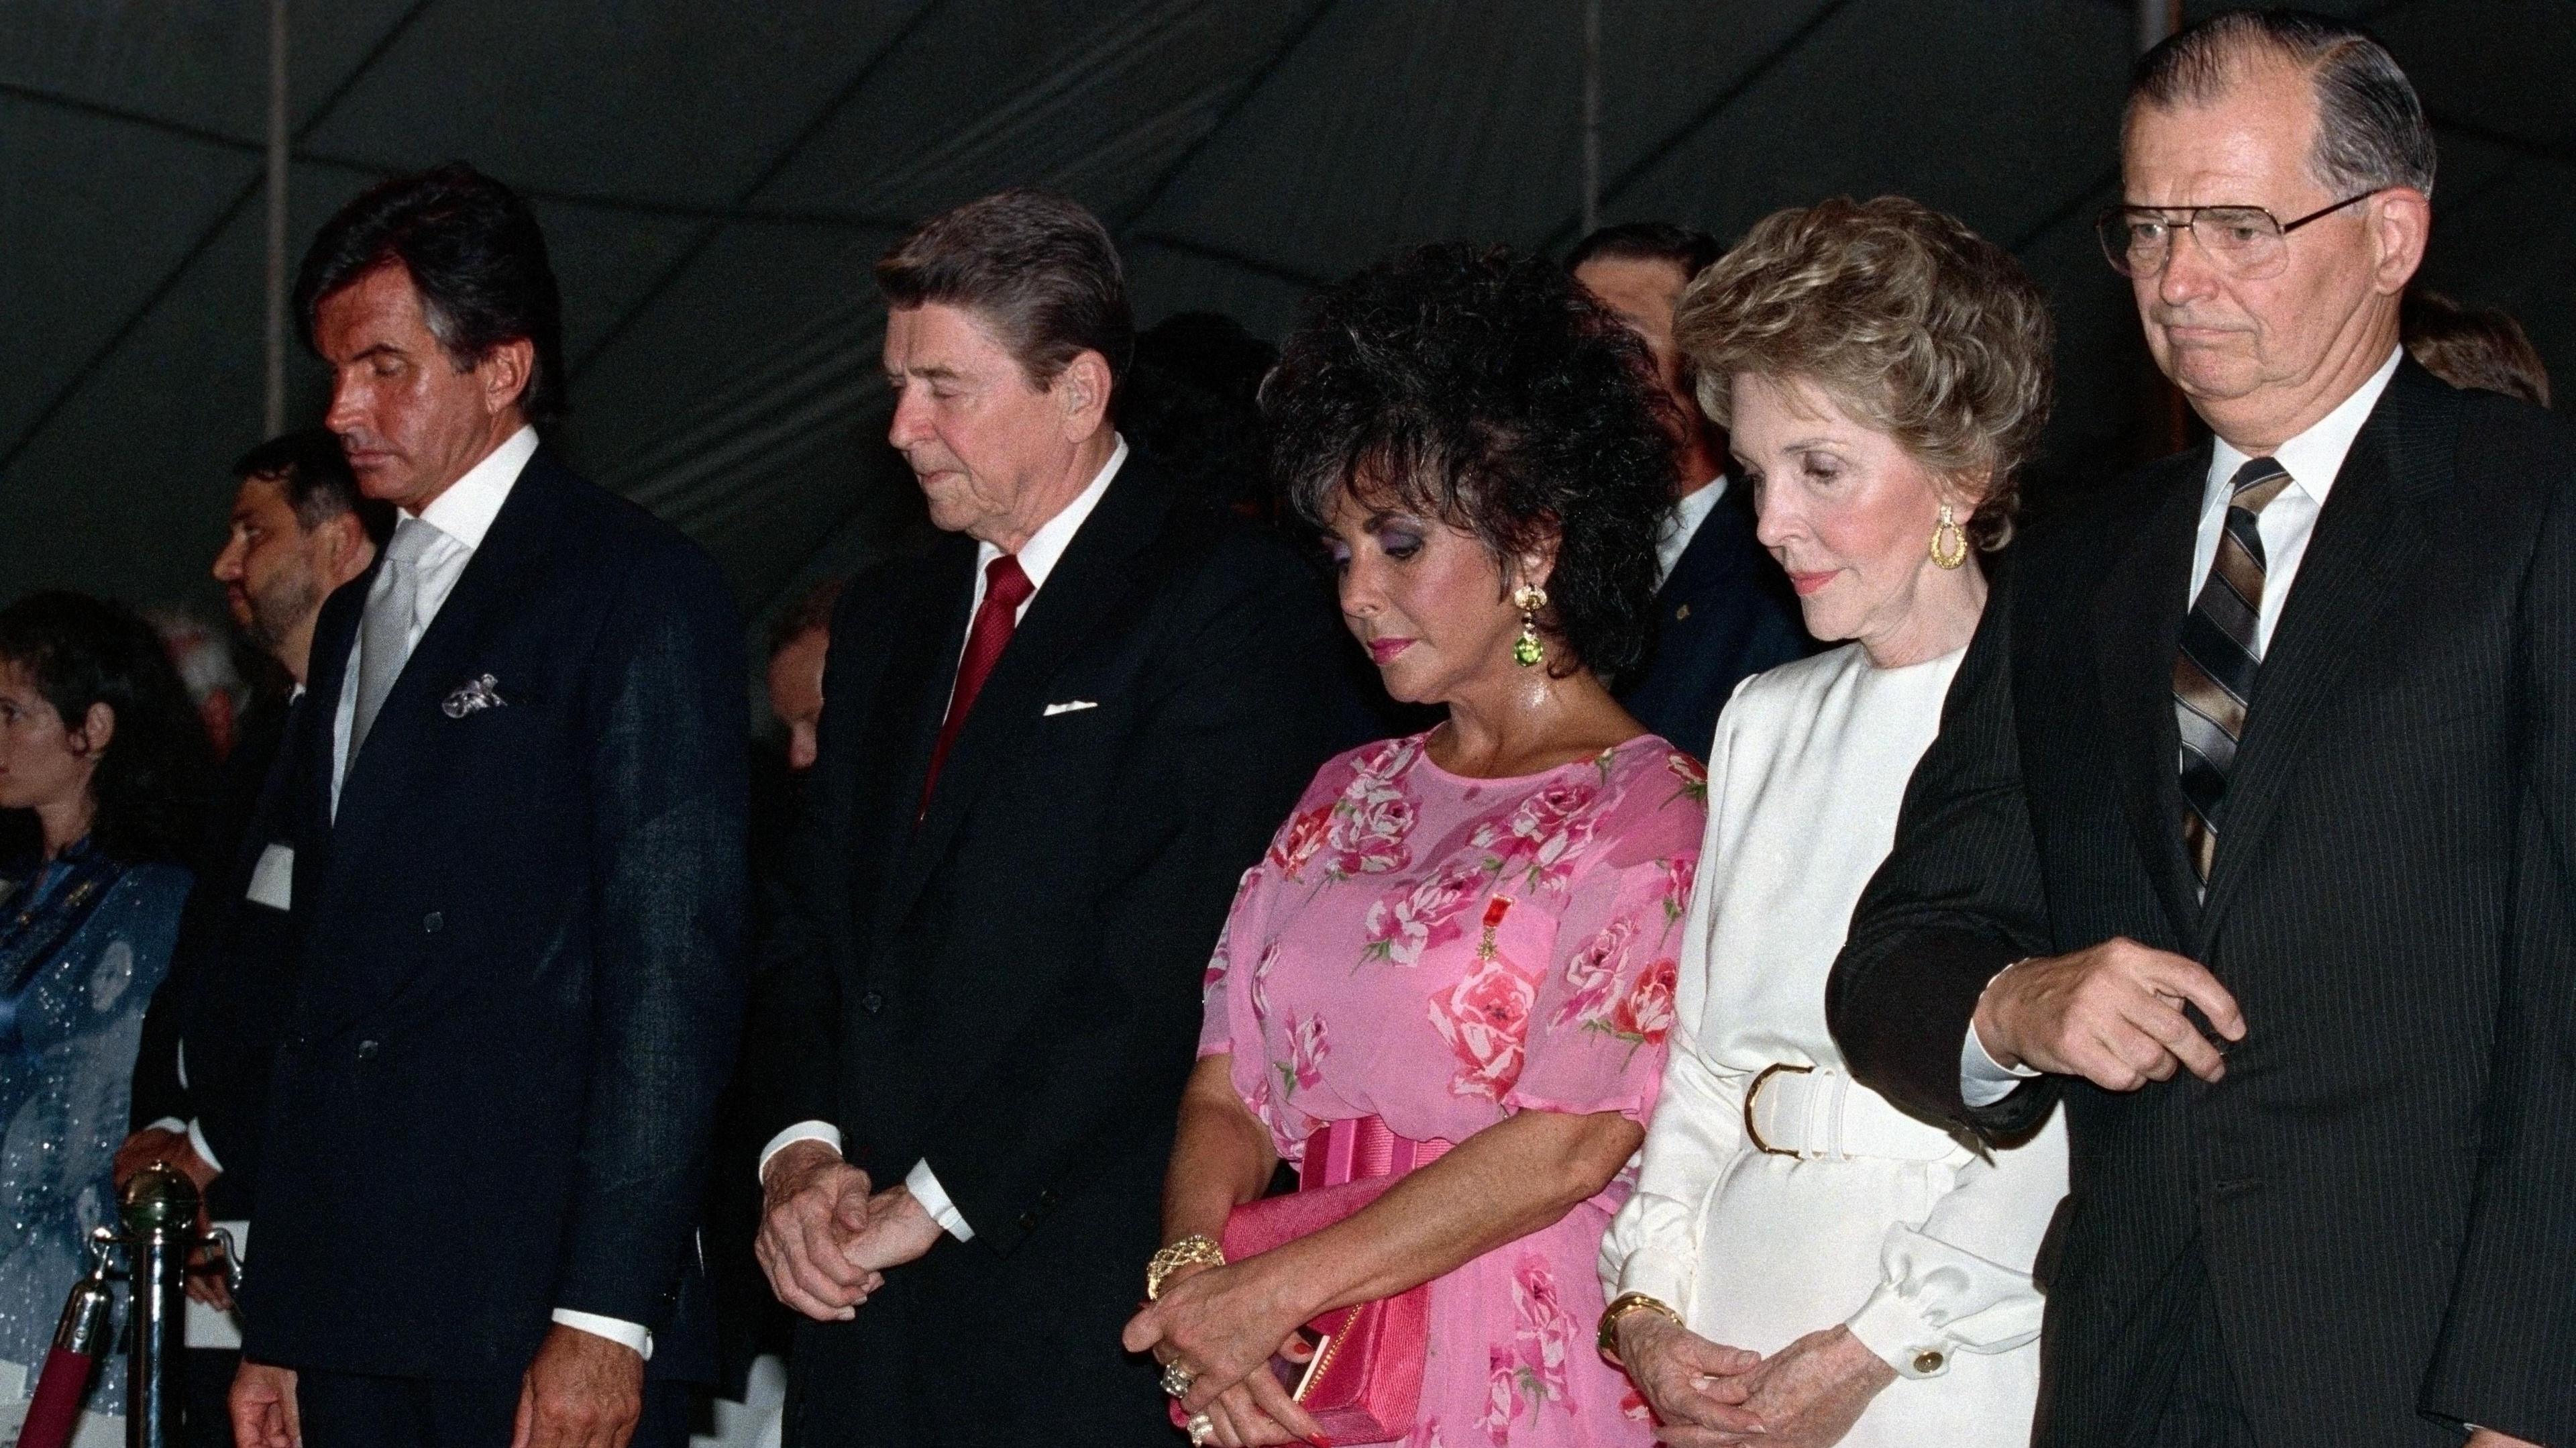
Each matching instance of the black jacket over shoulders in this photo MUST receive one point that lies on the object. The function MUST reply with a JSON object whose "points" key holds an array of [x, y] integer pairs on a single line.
{"points": [[1008, 986], [2380, 1195], [521, 959]]}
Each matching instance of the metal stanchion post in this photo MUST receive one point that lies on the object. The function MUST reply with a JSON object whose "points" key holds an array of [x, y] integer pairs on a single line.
{"points": [[160, 1230]]}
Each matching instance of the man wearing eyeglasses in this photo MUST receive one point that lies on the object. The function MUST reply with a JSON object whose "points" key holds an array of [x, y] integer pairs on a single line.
{"points": [[2250, 829]]}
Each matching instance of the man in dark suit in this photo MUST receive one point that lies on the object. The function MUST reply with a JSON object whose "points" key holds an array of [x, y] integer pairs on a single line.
{"points": [[1723, 611], [516, 823], [2249, 829], [1050, 747], [299, 530]]}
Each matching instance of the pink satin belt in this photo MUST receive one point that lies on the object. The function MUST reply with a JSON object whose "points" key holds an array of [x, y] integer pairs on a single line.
{"points": [[1356, 1149]]}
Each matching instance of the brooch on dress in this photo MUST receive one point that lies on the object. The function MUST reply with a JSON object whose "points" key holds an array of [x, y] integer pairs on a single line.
{"points": [[473, 697]]}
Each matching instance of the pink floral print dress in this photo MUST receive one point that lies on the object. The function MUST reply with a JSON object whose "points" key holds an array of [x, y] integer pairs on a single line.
{"points": [[1441, 952]]}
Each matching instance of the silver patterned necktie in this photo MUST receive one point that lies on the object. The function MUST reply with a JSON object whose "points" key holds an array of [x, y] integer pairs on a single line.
{"points": [[384, 634], [2221, 653]]}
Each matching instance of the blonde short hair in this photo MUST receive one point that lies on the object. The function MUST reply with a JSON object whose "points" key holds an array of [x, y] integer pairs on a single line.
{"points": [[1915, 325]]}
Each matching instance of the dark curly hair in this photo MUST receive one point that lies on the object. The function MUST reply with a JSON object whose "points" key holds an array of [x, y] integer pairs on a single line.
{"points": [[150, 785], [1489, 391]]}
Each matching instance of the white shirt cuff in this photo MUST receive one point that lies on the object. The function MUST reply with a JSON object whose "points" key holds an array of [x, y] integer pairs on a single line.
{"points": [[822, 1131], [924, 1185], [167, 1123], [616, 1330], [1983, 1080], [197, 1142]]}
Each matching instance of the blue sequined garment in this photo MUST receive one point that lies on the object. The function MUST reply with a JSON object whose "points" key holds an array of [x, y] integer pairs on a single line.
{"points": [[77, 968]]}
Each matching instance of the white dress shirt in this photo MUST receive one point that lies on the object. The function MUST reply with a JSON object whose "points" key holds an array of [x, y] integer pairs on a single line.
{"points": [[1038, 557], [2312, 459], [1682, 524], [1921, 1246], [462, 515]]}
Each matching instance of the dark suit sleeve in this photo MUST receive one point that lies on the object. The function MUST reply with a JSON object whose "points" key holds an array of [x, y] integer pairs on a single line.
{"points": [[1243, 716], [158, 1091], [668, 788], [1956, 900], [2507, 1358]]}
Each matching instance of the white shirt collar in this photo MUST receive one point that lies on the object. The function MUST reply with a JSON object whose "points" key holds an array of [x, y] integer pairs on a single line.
{"points": [[1682, 524], [2315, 456], [466, 510], [1038, 555]]}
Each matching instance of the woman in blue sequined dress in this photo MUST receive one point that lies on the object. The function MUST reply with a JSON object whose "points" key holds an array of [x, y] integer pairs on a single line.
{"points": [[99, 745]]}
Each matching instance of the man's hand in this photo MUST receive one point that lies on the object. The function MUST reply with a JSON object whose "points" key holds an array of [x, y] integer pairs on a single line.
{"points": [[2490, 1438], [814, 1206], [899, 1230], [1809, 1393], [1696, 1387], [583, 1391], [2111, 1014], [263, 1407], [205, 1274]]}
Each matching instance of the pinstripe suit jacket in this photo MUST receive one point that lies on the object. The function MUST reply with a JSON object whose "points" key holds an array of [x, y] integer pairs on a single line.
{"points": [[2381, 1195]]}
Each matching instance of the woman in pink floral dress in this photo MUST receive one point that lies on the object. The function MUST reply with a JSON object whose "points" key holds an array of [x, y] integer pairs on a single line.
{"points": [[1466, 936]]}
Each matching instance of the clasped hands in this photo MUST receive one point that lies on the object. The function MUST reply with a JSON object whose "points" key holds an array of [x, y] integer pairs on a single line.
{"points": [[1221, 1325], [1707, 1395], [827, 1237]]}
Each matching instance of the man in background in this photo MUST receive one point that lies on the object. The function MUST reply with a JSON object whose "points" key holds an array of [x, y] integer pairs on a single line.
{"points": [[1724, 611], [299, 530], [2472, 346]]}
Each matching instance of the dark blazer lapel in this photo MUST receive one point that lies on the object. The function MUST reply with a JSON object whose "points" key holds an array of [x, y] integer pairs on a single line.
{"points": [[910, 701], [1708, 561], [1092, 575], [2139, 622], [335, 634], [518, 540], [2369, 539]]}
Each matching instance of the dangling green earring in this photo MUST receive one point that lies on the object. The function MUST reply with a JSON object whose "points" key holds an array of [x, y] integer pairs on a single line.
{"points": [[1527, 650]]}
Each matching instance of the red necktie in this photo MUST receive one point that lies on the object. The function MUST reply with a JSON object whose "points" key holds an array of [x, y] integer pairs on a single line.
{"points": [[1006, 587]]}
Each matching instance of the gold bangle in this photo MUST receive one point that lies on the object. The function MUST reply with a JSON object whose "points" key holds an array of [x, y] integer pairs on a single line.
{"points": [[1194, 1249], [1620, 1307]]}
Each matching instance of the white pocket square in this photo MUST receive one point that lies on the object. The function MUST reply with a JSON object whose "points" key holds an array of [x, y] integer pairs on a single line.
{"points": [[1069, 706]]}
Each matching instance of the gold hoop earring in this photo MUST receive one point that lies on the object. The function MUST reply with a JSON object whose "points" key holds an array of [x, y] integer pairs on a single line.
{"points": [[1528, 650], [1949, 541]]}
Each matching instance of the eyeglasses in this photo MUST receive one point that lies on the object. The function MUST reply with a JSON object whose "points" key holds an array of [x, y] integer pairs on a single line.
{"points": [[2244, 241]]}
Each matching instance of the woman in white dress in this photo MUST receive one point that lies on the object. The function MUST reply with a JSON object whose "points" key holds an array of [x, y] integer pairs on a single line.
{"points": [[1802, 1263]]}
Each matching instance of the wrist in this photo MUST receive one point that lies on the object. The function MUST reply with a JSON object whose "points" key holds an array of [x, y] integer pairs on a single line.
{"points": [[1988, 1019], [796, 1164], [1628, 1321]]}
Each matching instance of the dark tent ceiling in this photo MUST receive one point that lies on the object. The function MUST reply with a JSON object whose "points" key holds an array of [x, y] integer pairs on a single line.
{"points": [[714, 180]]}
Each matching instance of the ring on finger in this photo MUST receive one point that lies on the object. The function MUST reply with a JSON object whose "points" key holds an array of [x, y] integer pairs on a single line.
{"points": [[1202, 1428], [1177, 1379]]}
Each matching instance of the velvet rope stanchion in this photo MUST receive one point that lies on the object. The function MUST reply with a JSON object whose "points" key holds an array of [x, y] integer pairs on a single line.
{"points": [[72, 1362]]}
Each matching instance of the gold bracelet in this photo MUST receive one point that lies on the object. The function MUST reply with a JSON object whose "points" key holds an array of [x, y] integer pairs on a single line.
{"points": [[1194, 1249], [1620, 1307]]}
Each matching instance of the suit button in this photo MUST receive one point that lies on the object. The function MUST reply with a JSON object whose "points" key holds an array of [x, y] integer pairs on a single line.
{"points": [[430, 922], [367, 1050], [872, 1002], [1028, 1221], [1928, 1361]]}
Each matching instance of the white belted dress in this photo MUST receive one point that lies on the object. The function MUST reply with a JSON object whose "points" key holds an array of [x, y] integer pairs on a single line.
{"points": [[1834, 1207]]}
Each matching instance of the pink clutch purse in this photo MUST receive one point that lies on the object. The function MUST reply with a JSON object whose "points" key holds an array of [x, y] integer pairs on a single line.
{"points": [[1364, 1384]]}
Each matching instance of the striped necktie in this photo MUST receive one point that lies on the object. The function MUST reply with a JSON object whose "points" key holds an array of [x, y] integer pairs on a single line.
{"points": [[2213, 676]]}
